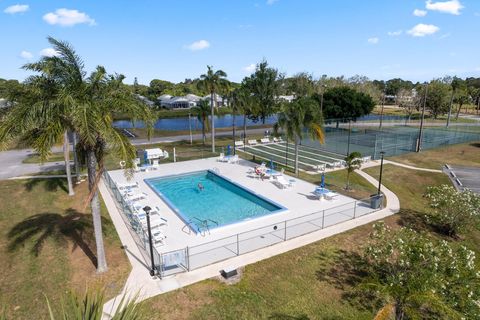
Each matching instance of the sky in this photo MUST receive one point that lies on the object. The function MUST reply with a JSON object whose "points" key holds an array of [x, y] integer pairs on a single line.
{"points": [[176, 39]]}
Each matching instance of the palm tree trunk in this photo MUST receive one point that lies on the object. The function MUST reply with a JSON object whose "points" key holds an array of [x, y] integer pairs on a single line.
{"points": [[96, 215], [458, 111], [348, 180], [75, 157], [203, 131], [212, 106], [66, 156], [296, 156]]}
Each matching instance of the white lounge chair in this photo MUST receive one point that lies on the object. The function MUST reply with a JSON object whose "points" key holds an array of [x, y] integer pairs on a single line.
{"points": [[252, 142], [282, 182], [222, 158], [127, 186], [265, 140], [232, 159], [239, 144]]}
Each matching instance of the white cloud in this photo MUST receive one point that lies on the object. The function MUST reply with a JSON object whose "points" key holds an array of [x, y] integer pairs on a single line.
{"points": [[67, 18], [422, 30], [451, 7], [419, 13], [18, 8], [395, 33], [373, 40], [198, 45], [49, 52], [270, 2], [250, 68], [26, 55]]}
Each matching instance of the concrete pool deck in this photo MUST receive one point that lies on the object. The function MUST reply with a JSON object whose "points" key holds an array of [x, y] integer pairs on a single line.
{"points": [[139, 280]]}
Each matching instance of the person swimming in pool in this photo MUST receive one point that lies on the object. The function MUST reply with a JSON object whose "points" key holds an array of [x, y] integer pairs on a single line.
{"points": [[200, 186]]}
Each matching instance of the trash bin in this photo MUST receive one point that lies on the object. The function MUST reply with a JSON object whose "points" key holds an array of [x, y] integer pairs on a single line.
{"points": [[376, 201]]}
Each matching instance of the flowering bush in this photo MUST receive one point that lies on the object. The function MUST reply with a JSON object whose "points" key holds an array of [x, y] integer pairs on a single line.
{"points": [[420, 277], [453, 211]]}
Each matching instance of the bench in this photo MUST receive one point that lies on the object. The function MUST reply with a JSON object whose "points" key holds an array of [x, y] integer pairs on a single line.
{"points": [[252, 142]]}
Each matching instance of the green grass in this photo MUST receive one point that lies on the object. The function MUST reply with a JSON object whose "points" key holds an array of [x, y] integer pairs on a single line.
{"points": [[32, 268], [54, 157], [466, 154]]}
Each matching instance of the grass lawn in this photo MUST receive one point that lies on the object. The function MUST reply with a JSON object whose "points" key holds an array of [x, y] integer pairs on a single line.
{"points": [[55, 157], [47, 247], [312, 282], [466, 154]]}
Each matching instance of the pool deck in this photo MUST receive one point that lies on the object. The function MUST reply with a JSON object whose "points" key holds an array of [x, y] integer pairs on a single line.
{"points": [[297, 200]]}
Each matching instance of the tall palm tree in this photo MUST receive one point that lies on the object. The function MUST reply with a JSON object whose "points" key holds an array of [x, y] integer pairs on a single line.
{"points": [[86, 106], [201, 110], [243, 102], [41, 93], [300, 118], [213, 82]]}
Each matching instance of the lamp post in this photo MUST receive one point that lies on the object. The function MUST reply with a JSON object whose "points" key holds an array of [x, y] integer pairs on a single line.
{"points": [[420, 131], [147, 210], [382, 153], [383, 106]]}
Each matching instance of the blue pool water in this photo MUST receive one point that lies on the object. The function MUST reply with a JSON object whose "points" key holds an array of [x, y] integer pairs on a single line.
{"points": [[221, 200]]}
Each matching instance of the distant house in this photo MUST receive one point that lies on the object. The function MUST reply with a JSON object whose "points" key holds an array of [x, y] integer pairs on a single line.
{"points": [[145, 100], [220, 101], [186, 102], [286, 98]]}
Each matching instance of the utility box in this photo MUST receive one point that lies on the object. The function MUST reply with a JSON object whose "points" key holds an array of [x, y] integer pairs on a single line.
{"points": [[229, 272]]}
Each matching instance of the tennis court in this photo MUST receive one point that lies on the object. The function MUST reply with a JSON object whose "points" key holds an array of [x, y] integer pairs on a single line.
{"points": [[309, 159]]}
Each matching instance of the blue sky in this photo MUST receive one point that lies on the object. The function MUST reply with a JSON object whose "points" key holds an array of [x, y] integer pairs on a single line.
{"points": [[176, 39]]}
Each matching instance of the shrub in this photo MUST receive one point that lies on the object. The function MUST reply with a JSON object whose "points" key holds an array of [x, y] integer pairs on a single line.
{"points": [[452, 211]]}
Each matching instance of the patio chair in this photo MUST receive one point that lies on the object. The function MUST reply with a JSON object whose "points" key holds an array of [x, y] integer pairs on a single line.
{"points": [[126, 186], [239, 143], [233, 159], [282, 182], [222, 158]]}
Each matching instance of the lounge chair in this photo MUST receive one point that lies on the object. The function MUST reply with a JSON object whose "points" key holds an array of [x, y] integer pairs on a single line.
{"points": [[239, 144], [221, 157], [127, 186], [232, 159], [323, 193], [134, 196], [282, 182], [265, 140], [252, 142]]}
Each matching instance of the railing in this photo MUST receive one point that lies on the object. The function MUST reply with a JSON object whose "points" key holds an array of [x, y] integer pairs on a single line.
{"points": [[225, 248], [194, 257]]}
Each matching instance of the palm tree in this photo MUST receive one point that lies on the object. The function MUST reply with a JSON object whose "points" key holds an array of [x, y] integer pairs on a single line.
{"points": [[352, 162], [213, 82], [202, 109], [86, 106], [300, 117], [41, 94]]}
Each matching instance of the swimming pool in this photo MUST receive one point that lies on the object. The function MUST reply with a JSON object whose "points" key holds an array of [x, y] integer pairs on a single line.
{"points": [[221, 200]]}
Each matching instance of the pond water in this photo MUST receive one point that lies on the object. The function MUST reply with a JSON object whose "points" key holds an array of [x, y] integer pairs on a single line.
{"points": [[224, 121]]}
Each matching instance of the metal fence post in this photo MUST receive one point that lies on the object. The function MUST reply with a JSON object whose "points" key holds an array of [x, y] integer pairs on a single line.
{"points": [[238, 246], [174, 155], [354, 209], [285, 231], [187, 253], [323, 219]]}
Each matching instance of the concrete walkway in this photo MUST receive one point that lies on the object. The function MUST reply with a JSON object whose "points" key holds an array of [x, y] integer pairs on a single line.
{"points": [[376, 163], [140, 282]]}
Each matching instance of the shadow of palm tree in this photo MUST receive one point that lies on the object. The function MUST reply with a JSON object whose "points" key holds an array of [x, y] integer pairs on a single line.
{"points": [[50, 184], [72, 226]]}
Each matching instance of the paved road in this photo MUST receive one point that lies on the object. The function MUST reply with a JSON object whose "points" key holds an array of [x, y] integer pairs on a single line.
{"points": [[11, 164]]}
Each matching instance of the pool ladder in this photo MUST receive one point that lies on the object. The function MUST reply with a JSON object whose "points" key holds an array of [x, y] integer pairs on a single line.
{"points": [[203, 226]]}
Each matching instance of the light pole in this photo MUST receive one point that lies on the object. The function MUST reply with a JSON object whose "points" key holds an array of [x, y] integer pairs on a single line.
{"points": [[382, 153], [147, 210], [190, 127], [420, 131]]}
